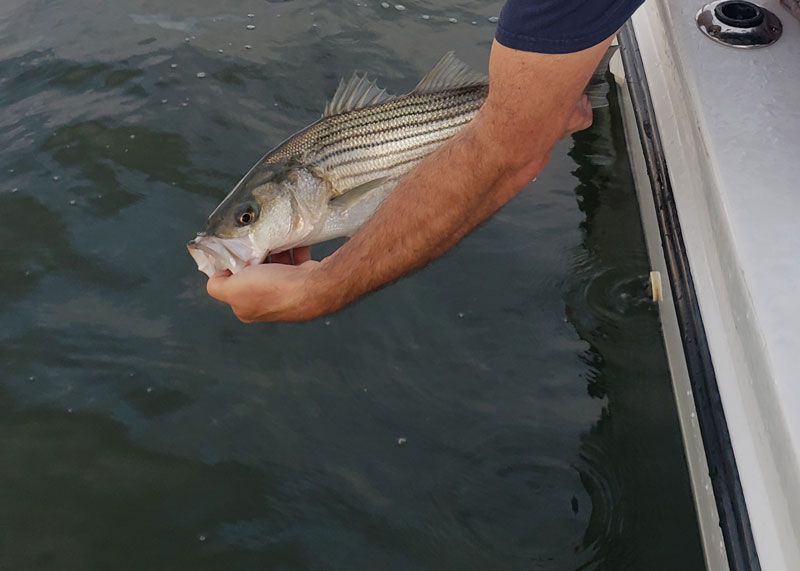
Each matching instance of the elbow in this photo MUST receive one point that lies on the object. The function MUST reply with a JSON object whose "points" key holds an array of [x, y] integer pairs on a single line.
{"points": [[527, 170], [522, 166], [518, 155]]}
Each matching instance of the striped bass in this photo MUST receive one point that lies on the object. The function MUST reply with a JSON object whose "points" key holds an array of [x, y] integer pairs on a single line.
{"points": [[327, 180]]}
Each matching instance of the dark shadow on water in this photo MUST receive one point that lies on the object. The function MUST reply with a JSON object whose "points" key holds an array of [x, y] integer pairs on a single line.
{"points": [[632, 462], [76, 494], [34, 243]]}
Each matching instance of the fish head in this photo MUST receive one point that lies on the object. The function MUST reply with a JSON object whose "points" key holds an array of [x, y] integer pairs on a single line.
{"points": [[273, 208]]}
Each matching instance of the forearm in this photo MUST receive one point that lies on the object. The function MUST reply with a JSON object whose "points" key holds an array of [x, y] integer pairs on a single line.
{"points": [[436, 205], [467, 179]]}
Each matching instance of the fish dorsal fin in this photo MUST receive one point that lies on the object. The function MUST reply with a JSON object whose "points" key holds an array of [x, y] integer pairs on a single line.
{"points": [[357, 93], [449, 73]]}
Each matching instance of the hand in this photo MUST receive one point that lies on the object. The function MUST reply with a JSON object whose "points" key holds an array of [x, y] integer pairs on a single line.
{"points": [[277, 291], [581, 117], [293, 257]]}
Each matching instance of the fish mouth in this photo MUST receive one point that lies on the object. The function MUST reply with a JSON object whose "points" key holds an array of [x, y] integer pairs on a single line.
{"points": [[213, 254]]}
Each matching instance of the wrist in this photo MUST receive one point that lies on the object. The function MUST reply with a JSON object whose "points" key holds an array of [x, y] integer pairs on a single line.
{"points": [[321, 293]]}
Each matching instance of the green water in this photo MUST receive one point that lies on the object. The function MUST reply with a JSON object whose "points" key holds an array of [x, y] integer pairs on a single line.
{"points": [[143, 427]]}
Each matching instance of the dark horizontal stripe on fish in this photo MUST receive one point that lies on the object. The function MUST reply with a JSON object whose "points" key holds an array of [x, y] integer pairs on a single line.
{"points": [[393, 166], [341, 131], [335, 129], [453, 119], [400, 105], [383, 113]]}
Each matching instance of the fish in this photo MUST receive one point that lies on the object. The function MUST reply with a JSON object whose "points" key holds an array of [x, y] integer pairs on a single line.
{"points": [[327, 180]]}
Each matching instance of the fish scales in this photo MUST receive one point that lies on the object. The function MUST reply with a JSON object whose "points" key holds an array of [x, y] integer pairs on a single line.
{"points": [[384, 140], [327, 180]]}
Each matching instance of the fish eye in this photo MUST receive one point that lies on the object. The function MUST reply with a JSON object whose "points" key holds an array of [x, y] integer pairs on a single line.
{"points": [[246, 216]]}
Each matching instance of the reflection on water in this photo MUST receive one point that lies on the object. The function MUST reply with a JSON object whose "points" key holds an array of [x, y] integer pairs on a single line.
{"points": [[507, 408], [609, 307]]}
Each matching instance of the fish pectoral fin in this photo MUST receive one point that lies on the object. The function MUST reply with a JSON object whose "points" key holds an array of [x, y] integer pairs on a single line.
{"points": [[355, 195]]}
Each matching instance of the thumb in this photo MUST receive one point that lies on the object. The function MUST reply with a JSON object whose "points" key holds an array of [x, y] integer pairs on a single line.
{"points": [[217, 286]]}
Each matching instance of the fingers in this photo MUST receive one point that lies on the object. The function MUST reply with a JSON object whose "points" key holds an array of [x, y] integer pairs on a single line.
{"points": [[301, 255], [295, 256], [216, 286], [281, 257]]}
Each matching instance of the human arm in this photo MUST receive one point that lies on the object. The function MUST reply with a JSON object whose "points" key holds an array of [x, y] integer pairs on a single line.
{"points": [[534, 99]]}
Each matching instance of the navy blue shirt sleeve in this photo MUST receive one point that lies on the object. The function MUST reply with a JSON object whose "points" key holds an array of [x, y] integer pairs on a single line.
{"points": [[561, 26]]}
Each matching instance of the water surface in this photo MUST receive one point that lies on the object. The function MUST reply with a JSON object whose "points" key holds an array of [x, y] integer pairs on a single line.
{"points": [[143, 427]]}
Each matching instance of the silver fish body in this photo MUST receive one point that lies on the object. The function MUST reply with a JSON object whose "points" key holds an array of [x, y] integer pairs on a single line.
{"points": [[327, 180], [330, 178]]}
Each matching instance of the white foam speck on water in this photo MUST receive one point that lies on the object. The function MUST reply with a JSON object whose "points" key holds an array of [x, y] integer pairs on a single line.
{"points": [[250, 27], [493, 19], [452, 20], [425, 17], [385, 4], [399, 7], [201, 537], [474, 23], [132, 136], [173, 65], [55, 178], [149, 389], [201, 74], [461, 315], [72, 203], [184, 104], [163, 101], [31, 379]]}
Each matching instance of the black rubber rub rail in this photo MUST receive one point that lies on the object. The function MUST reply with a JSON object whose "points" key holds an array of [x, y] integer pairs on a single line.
{"points": [[733, 518]]}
